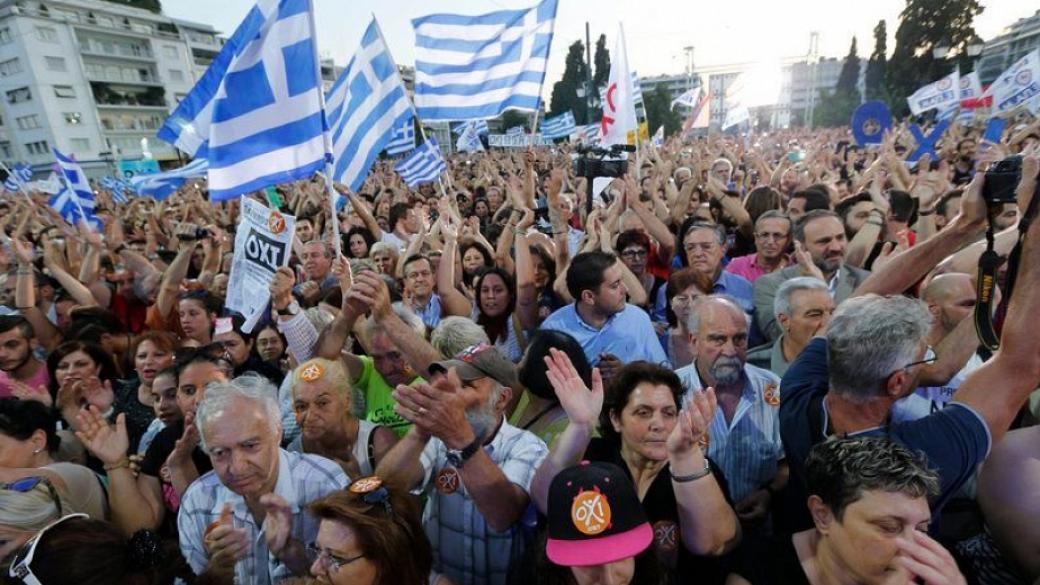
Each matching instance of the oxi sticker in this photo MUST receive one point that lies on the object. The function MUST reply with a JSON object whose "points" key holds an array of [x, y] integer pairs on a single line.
{"points": [[771, 394], [447, 481], [276, 223], [590, 513], [365, 485], [312, 372], [666, 535]]}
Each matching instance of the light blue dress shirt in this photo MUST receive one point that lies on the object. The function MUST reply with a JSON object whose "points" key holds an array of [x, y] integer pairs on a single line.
{"points": [[628, 335]]}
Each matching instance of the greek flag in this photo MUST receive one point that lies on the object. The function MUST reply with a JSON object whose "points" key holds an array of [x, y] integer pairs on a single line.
{"points": [[161, 185], [422, 165], [637, 91], [20, 175], [473, 67], [76, 200], [588, 134], [256, 113], [559, 126], [117, 187], [403, 138], [480, 125], [365, 105], [469, 141]]}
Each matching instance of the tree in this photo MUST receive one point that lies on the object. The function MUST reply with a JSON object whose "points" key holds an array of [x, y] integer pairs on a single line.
{"points": [[659, 111], [565, 91], [875, 76], [512, 118], [836, 109], [602, 62], [849, 75], [152, 5], [924, 25]]}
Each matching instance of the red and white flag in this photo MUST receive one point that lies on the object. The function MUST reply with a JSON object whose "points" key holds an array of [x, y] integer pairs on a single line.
{"points": [[618, 125]]}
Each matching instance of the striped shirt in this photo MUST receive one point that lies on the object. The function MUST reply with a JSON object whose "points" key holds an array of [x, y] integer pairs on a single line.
{"points": [[302, 479], [465, 548], [748, 447]]}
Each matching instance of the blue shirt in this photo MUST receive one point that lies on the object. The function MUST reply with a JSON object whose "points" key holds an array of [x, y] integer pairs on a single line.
{"points": [[431, 313], [954, 440], [628, 335], [738, 288]]}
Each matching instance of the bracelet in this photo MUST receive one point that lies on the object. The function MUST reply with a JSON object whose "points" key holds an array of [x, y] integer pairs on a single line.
{"points": [[693, 476], [124, 462]]}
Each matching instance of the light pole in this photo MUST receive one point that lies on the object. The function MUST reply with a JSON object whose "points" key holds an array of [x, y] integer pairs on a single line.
{"points": [[814, 53]]}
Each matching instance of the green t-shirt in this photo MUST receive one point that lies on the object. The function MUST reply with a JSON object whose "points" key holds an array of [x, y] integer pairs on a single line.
{"points": [[379, 404]]}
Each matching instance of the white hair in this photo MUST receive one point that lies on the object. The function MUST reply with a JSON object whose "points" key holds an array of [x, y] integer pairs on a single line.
{"points": [[693, 322], [413, 321], [782, 300], [220, 396], [454, 334]]}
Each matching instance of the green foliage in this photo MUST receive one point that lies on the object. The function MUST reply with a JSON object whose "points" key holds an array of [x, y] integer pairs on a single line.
{"points": [[836, 109], [601, 62], [659, 111], [565, 91], [512, 118], [849, 72], [878, 64], [151, 5], [924, 25]]}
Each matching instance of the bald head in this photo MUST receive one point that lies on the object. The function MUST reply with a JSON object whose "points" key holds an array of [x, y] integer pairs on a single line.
{"points": [[950, 298], [712, 308]]}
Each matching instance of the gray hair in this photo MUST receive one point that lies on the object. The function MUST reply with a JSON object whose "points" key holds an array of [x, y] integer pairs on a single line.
{"points": [[782, 300], [454, 334], [773, 214], [798, 230], [693, 322], [413, 321], [219, 397], [869, 338], [379, 247]]}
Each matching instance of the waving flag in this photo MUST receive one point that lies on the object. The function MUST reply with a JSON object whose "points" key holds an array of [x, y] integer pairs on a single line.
{"points": [[939, 95], [473, 67], [256, 113], [20, 175], [619, 106], [403, 138], [161, 185], [588, 134], [637, 91], [422, 165], [365, 105], [658, 137], [76, 200], [559, 126], [1020, 84], [689, 98], [117, 187], [469, 141], [481, 127]]}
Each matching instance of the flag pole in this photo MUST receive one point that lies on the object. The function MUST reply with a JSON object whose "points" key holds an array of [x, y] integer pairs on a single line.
{"points": [[330, 189]]}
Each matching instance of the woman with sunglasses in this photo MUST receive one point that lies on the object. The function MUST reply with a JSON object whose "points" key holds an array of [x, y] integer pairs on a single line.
{"points": [[371, 534], [29, 449], [27, 506]]}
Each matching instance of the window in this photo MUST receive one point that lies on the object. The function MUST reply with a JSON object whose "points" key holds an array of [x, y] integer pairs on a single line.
{"points": [[79, 144], [73, 118], [40, 147], [17, 96], [5, 149], [170, 52], [10, 67], [64, 91], [47, 34], [30, 122], [176, 75], [5, 35], [55, 63]]}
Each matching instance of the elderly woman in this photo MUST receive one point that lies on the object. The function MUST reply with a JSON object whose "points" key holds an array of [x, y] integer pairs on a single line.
{"points": [[645, 430], [323, 400], [371, 534], [684, 288], [385, 257], [27, 506]]}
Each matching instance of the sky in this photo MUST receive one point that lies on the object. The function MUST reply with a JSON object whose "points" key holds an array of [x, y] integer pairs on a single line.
{"points": [[730, 31]]}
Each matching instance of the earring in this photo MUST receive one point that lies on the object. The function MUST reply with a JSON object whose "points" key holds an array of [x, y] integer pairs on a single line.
{"points": [[37, 452]]}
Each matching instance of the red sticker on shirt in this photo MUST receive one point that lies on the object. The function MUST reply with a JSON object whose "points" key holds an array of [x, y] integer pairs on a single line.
{"points": [[771, 394], [447, 481]]}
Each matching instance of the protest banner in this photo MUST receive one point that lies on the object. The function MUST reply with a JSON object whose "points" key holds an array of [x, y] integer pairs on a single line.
{"points": [[939, 95], [869, 122], [1019, 85], [263, 242], [518, 140], [129, 169]]}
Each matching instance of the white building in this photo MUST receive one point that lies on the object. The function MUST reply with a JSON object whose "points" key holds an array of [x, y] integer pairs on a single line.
{"points": [[1015, 42]]}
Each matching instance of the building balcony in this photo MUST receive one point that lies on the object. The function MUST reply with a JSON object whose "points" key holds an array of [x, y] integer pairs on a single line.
{"points": [[108, 95], [135, 53], [140, 80]]}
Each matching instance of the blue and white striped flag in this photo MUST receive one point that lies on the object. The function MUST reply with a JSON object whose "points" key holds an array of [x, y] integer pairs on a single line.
{"points": [[256, 113], [480, 125], [422, 165], [117, 187], [469, 141], [365, 105], [588, 134], [403, 138], [637, 91], [161, 185], [76, 200], [473, 67], [559, 126], [19, 175]]}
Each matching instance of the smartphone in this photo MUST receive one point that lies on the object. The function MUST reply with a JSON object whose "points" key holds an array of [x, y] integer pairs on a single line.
{"points": [[796, 156]]}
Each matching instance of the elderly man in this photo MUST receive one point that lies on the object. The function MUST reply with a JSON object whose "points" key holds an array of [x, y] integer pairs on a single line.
{"points": [[473, 465], [745, 433], [255, 489], [803, 307], [704, 246], [772, 237], [822, 234], [419, 281], [317, 271], [611, 331]]}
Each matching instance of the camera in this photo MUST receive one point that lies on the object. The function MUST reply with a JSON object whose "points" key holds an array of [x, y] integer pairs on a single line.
{"points": [[198, 234], [591, 161], [1001, 181]]}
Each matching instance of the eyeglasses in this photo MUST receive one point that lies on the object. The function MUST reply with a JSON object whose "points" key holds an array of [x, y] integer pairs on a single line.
{"points": [[930, 360], [634, 254], [28, 484], [332, 563], [20, 565]]}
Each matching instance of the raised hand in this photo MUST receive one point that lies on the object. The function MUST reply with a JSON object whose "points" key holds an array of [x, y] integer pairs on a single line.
{"points": [[581, 404], [109, 443], [277, 522], [691, 430], [805, 262], [928, 561], [281, 288]]}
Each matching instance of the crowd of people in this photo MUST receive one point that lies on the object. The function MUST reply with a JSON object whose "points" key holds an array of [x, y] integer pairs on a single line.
{"points": [[750, 359]]}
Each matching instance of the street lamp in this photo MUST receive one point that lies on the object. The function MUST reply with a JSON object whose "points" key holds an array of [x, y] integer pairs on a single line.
{"points": [[941, 49]]}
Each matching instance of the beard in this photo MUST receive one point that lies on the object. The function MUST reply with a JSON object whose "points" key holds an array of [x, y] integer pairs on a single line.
{"points": [[483, 419], [726, 370]]}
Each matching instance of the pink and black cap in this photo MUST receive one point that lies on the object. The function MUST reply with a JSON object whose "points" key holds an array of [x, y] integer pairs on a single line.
{"points": [[595, 517]]}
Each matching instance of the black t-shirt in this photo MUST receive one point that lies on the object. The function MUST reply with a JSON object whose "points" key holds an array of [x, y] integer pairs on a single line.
{"points": [[161, 447], [138, 416], [662, 512], [780, 566], [954, 440]]}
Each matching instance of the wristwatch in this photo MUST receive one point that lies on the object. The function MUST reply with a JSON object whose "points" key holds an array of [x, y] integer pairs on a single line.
{"points": [[457, 458], [292, 309]]}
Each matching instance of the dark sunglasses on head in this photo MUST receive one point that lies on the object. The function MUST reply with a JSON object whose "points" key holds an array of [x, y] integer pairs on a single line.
{"points": [[28, 484]]}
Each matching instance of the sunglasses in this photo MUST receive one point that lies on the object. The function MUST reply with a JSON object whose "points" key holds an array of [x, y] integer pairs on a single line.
{"points": [[20, 565], [28, 484]]}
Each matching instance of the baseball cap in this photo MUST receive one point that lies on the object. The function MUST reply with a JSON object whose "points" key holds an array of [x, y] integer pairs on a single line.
{"points": [[595, 517], [480, 361]]}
